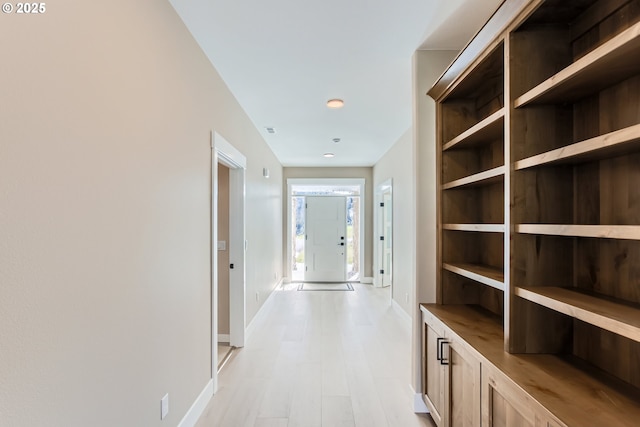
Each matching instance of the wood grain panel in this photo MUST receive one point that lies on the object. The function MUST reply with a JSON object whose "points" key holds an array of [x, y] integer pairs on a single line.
{"points": [[614, 354], [460, 163], [488, 129], [604, 66], [610, 268], [544, 195], [464, 387], [457, 117]]}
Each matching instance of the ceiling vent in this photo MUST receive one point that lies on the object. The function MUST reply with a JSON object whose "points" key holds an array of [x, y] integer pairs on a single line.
{"points": [[271, 130]]}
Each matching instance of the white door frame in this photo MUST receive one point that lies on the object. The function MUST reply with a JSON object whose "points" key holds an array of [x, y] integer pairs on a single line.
{"points": [[325, 182], [223, 152], [384, 187]]}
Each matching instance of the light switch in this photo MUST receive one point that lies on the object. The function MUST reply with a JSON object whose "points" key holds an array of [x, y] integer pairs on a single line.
{"points": [[222, 245]]}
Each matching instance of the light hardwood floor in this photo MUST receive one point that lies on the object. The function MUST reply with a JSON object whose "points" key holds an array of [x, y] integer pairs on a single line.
{"points": [[320, 359]]}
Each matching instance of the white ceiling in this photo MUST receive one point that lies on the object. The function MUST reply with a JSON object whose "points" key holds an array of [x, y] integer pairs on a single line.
{"points": [[283, 59]]}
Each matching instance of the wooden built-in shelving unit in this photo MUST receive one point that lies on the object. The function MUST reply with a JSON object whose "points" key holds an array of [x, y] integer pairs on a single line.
{"points": [[539, 212]]}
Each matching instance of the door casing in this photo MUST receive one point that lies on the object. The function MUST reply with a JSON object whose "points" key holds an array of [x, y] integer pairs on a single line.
{"points": [[326, 182], [223, 152]]}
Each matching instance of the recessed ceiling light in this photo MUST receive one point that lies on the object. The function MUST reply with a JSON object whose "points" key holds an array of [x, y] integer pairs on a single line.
{"points": [[335, 103], [336, 140], [329, 155]]}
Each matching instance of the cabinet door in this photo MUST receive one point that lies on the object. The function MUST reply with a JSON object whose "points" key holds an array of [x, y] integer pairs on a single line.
{"points": [[503, 404], [464, 387], [434, 374]]}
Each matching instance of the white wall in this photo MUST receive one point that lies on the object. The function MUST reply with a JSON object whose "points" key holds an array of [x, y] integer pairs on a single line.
{"points": [[105, 118], [397, 164], [427, 68]]}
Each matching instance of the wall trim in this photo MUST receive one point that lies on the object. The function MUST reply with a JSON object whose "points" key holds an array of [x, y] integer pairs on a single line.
{"points": [[367, 280], [406, 317], [198, 407], [262, 312]]}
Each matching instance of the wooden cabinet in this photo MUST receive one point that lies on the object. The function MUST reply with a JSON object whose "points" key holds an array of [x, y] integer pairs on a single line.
{"points": [[504, 405], [451, 376], [538, 123], [434, 372], [464, 386]]}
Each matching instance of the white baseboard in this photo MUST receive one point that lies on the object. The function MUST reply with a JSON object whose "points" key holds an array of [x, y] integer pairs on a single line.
{"points": [[198, 407], [367, 280], [261, 313], [224, 338], [403, 314], [419, 407]]}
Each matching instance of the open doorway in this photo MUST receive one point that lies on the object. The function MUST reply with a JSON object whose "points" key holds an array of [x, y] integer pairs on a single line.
{"points": [[343, 236], [384, 235], [231, 165]]}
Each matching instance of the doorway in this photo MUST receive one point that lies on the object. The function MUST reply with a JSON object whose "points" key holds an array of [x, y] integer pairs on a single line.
{"points": [[384, 233], [344, 200], [226, 156]]}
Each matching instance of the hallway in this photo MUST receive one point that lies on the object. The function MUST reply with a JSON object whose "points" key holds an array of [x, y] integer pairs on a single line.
{"points": [[320, 358]]}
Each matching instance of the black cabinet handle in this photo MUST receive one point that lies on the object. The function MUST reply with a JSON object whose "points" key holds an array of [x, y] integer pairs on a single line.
{"points": [[439, 348], [440, 351]]}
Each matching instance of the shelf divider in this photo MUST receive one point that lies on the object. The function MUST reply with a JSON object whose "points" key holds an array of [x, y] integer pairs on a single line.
{"points": [[619, 318], [490, 128], [622, 232], [489, 276], [605, 65]]}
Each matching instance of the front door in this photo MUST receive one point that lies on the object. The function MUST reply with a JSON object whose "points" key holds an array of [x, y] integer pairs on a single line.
{"points": [[326, 239]]}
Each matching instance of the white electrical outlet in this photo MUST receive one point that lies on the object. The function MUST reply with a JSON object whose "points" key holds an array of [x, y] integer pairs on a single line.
{"points": [[164, 407]]}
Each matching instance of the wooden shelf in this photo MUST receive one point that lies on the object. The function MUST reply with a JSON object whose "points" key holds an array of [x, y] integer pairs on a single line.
{"points": [[610, 145], [488, 129], [489, 276], [608, 64], [485, 228], [483, 178], [622, 232], [619, 318]]}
